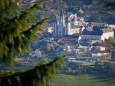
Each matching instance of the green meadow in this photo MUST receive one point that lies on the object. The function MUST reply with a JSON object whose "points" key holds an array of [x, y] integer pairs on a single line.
{"points": [[84, 80]]}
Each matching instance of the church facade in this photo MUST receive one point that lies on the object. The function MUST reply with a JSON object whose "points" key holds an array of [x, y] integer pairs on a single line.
{"points": [[68, 25]]}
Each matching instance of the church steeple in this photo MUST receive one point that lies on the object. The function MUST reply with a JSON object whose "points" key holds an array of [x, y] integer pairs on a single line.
{"points": [[62, 17], [61, 8]]}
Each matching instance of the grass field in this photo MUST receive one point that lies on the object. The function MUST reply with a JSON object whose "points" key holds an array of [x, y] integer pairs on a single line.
{"points": [[84, 80], [18, 59]]}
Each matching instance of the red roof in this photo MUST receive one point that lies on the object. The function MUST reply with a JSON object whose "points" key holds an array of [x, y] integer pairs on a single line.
{"points": [[68, 39]]}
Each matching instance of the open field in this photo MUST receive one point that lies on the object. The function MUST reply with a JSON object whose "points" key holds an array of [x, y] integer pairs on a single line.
{"points": [[18, 59], [84, 80]]}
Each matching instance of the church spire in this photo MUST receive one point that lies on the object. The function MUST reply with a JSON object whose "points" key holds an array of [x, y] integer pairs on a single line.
{"points": [[61, 8]]}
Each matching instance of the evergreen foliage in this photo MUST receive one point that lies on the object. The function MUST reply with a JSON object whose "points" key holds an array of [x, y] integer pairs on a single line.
{"points": [[18, 27], [36, 77]]}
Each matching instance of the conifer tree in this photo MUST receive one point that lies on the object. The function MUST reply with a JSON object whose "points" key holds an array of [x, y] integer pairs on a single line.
{"points": [[18, 26]]}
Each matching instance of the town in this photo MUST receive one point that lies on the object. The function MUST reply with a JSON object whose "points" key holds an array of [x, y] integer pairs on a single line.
{"points": [[85, 44]]}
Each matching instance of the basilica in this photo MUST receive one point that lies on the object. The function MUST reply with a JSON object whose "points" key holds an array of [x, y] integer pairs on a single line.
{"points": [[68, 25]]}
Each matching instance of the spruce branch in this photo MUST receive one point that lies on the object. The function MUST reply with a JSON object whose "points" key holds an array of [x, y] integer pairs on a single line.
{"points": [[23, 15], [35, 77]]}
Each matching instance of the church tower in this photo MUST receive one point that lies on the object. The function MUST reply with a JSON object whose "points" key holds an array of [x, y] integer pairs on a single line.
{"points": [[59, 26]]}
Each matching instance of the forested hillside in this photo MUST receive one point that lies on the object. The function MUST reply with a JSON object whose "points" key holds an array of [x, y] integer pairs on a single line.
{"points": [[91, 10]]}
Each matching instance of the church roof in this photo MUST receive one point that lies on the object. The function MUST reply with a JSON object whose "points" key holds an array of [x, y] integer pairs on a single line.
{"points": [[97, 33], [72, 36]]}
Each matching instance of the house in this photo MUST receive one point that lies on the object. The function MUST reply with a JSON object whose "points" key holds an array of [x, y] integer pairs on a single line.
{"points": [[98, 48], [102, 48], [99, 53], [97, 33], [50, 29]]}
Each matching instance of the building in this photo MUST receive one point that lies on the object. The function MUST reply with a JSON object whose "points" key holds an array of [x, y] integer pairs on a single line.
{"points": [[59, 28], [97, 33], [68, 25], [101, 48], [99, 53]]}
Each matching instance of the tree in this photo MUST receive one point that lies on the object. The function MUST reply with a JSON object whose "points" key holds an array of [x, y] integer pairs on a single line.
{"points": [[18, 27], [113, 55], [48, 47]]}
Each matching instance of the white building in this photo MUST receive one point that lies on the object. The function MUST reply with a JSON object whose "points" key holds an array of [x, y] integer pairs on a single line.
{"points": [[98, 54], [97, 33]]}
